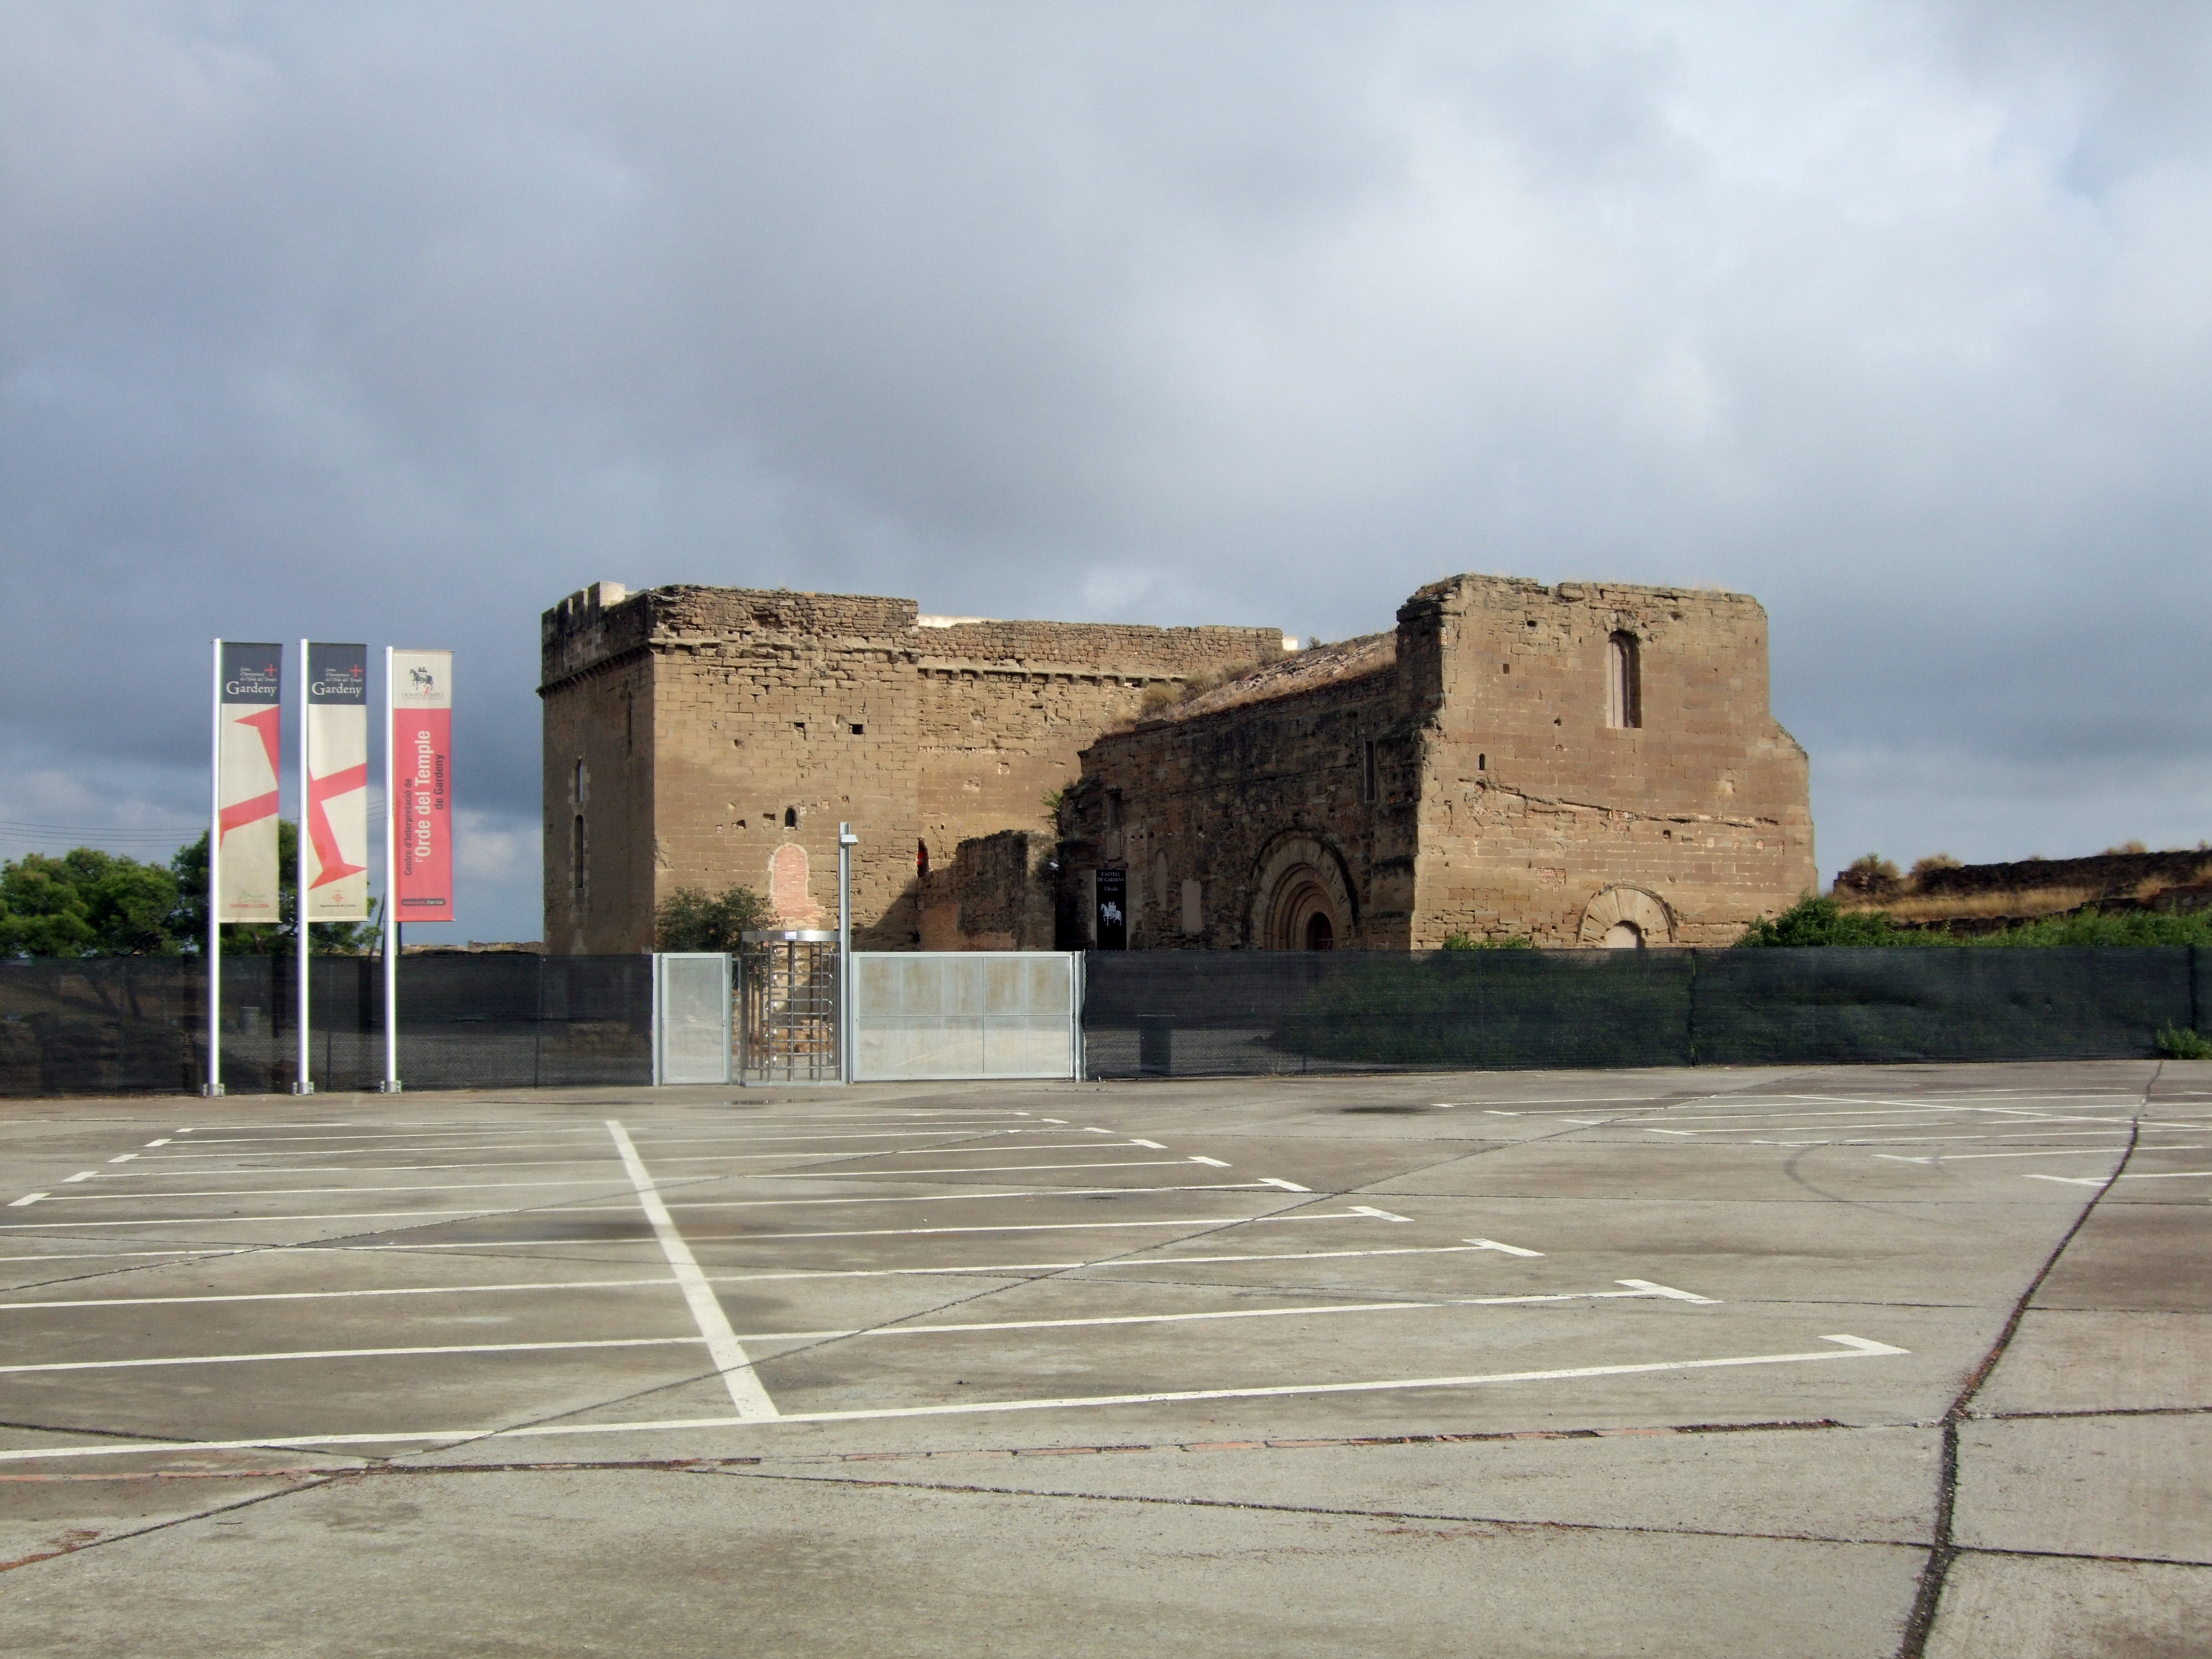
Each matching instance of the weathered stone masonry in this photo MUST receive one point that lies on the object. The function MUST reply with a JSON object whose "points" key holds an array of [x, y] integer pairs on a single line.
{"points": [[699, 736], [1584, 764], [1581, 765]]}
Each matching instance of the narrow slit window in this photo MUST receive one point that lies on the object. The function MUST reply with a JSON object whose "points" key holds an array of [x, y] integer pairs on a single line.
{"points": [[576, 859], [1623, 688], [1367, 789]]}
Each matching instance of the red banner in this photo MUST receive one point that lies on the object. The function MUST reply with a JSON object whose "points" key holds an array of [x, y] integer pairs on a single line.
{"points": [[421, 758]]}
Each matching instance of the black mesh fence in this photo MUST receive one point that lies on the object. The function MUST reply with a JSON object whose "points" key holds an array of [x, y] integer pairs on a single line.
{"points": [[138, 1024], [1190, 1014]]}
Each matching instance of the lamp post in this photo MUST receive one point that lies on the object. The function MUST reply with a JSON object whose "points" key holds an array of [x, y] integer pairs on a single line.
{"points": [[847, 841]]}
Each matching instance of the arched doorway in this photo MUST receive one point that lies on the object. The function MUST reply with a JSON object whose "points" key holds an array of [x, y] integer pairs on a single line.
{"points": [[1303, 901], [1626, 919]]}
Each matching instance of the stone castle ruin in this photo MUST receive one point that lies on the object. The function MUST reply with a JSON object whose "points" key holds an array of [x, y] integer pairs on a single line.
{"points": [[1584, 764]]}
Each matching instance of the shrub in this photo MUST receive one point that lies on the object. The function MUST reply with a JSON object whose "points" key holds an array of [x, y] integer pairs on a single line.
{"points": [[2091, 926], [1469, 942], [688, 919], [1933, 861], [1816, 920], [2179, 1042]]}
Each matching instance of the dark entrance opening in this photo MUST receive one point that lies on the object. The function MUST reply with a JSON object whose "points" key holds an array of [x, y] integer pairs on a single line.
{"points": [[1320, 935]]}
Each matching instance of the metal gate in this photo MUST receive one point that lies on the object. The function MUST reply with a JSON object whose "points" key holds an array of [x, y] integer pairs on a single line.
{"points": [[787, 1022], [955, 1014], [690, 1018]]}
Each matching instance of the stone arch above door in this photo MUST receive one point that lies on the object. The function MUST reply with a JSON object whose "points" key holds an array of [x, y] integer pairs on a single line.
{"points": [[1302, 877], [1624, 918]]}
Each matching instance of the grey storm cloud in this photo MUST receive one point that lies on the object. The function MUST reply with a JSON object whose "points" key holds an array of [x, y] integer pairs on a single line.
{"points": [[399, 322]]}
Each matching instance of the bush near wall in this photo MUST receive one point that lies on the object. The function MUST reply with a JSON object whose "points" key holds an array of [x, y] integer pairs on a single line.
{"points": [[1822, 922]]}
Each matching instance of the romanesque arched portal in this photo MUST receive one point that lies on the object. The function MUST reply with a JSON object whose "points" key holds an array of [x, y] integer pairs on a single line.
{"points": [[1302, 899]]}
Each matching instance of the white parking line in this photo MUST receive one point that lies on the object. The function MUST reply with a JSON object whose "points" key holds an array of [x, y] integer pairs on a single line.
{"points": [[746, 1394], [295, 1192], [1636, 1289], [160, 1172], [526, 1286], [2076, 1151], [950, 1123], [602, 1209], [1854, 1348], [2098, 1180], [350, 1353], [1046, 1227], [670, 1140], [495, 1246], [1010, 1169]]}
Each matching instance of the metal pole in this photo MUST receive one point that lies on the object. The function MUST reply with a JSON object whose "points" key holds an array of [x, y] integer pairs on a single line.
{"points": [[847, 841], [391, 893], [214, 1085], [304, 1083]]}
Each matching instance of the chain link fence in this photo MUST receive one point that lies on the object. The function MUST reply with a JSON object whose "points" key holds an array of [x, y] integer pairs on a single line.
{"points": [[1191, 1014], [138, 1024]]}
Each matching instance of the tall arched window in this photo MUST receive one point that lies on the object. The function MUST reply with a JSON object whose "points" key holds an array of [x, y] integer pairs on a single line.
{"points": [[1623, 683]]}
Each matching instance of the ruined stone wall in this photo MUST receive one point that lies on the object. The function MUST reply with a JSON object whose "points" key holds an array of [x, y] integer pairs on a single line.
{"points": [[1004, 708], [996, 894], [760, 720], [1541, 818], [1219, 803]]}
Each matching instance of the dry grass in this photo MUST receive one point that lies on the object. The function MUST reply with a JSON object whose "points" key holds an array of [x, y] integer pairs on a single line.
{"points": [[1167, 693], [2023, 902], [2152, 886]]}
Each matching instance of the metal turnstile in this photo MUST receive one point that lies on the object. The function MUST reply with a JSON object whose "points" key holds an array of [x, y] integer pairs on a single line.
{"points": [[788, 1013]]}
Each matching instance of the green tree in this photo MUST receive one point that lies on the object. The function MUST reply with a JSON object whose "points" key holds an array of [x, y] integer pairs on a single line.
{"points": [[87, 903], [188, 922], [688, 919]]}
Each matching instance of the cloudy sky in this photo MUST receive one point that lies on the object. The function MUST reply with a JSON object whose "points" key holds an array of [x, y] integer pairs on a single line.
{"points": [[398, 322]]}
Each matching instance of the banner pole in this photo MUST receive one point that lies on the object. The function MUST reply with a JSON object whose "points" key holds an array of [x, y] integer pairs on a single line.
{"points": [[214, 1085], [391, 890], [304, 1082]]}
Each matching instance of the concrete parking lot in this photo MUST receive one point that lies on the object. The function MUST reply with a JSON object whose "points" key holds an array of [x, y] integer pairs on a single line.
{"points": [[1865, 1362]]}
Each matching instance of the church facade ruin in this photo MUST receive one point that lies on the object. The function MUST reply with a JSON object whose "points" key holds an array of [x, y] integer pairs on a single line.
{"points": [[1585, 765]]}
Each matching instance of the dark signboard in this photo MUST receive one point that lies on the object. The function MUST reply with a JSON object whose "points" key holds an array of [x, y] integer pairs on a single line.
{"points": [[1112, 909]]}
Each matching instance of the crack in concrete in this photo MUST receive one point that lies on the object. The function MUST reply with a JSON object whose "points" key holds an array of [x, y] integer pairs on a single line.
{"points": [[1350, 1512], [1945, 1550], [164, 1526]]}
